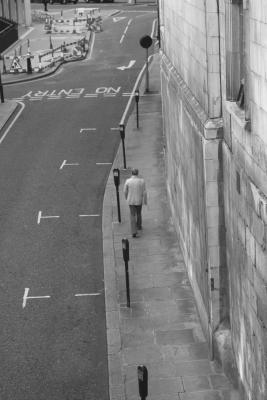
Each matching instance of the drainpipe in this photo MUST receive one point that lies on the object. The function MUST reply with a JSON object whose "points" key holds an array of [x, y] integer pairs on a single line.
{"points": [[220, 62], [215, 114]]}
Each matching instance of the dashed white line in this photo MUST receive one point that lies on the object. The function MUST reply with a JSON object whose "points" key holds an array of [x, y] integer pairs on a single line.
{"points": [[125, 31], [114, 129], [26, 297], [65, 163], [103, 163], [88, 215], [45, 217], [87, 129], [87, 294]]}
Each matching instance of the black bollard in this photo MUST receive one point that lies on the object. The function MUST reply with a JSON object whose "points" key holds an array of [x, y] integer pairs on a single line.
{"points": [[142, 381], [125, 253], [137, 96], [122, 133], [116, 176], [1, 90], [29, 64]]}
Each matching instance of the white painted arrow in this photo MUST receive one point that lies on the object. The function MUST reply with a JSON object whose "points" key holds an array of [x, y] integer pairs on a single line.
{"points": [[130, 65], [117, 19]]}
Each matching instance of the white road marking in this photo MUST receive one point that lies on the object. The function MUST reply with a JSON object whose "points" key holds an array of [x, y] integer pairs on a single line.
{"points": [[65, 163], [87, 129], [91, 48], [125, 31], [87, 294], [117, 19], [130, 65], [90, 95], [13, 122], [88, 215], [26, 297], [143, 11], [114, 129], [103, 163], [45, 217]]}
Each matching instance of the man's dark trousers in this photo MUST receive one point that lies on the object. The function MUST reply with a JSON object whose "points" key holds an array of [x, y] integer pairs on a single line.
{"points": [[136, 218]]}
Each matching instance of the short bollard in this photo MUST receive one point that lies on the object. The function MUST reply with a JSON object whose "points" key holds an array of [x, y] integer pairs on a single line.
{"points": [[125, 253], [137, 96], [142, 381], [122, 133], [1, 90], [29, 63], [116, 176], [45, 5]]}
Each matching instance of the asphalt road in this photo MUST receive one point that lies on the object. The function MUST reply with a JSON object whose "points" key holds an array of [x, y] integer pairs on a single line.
{"points": [[54, 164]]}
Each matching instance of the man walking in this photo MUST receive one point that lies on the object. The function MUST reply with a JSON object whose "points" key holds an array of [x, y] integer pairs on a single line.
{"points": [[136, 195]]}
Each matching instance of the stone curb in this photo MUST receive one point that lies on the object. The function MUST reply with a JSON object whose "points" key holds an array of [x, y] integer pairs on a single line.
{"points": [[7, 110]]}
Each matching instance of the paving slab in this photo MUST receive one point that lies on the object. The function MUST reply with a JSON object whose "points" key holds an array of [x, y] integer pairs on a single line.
{"points": [[161, 329]]}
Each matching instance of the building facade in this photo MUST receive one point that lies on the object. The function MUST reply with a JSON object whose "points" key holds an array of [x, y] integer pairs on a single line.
{"points": [[214, 92], [18, 11]]}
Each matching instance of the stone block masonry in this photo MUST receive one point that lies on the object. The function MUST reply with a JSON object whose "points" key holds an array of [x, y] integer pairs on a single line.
{"points": [[217, 171]]}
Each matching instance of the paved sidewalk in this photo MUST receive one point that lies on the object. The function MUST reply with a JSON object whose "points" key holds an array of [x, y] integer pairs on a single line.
{"points": [[7, 109], [161, 329]]}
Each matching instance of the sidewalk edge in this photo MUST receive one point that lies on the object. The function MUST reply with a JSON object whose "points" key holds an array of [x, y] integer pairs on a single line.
{"points": [[114, 344], [6, 118]]}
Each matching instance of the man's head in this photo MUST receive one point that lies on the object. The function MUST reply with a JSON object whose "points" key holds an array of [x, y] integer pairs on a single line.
{"points": [[135, 171]]}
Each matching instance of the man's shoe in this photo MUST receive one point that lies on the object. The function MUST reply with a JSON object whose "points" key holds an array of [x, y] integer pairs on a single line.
{"points": [[134, 235]]}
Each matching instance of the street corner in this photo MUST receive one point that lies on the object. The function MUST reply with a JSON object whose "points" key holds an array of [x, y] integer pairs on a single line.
{"points": [[7, 110]]}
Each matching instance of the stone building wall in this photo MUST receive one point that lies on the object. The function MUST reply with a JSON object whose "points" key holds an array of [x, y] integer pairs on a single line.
{"points": [[245, 196], [16, 10], [192, 110], [216, 158]]}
